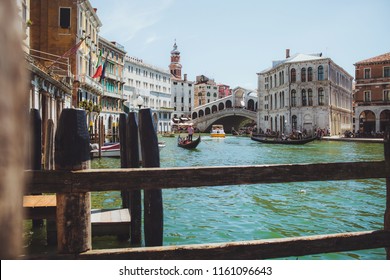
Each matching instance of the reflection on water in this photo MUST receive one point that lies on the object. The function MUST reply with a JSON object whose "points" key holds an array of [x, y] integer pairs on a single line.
{"points": [[248, 212]]}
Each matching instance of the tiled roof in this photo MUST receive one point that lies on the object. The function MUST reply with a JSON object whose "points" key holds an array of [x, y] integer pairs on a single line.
{"points": [[380, 58]]}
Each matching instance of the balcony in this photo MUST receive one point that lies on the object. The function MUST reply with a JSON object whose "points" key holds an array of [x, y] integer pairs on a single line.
{"points": [[89, 84]]}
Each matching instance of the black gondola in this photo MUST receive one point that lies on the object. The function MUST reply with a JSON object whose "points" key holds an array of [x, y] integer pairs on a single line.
{"points": [[184, 143], [284, 141]]}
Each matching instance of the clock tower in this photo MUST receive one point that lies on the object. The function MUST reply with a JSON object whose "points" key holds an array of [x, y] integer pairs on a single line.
{"points": [[175, 66]]}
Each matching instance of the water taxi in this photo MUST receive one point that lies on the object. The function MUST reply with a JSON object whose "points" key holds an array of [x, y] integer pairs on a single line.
{"points": [[217, 131]]}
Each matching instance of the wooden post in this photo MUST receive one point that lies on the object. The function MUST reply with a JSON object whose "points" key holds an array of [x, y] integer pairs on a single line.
{"points": [[13, 123], [132, 148], [49, 146], [36, 150], [387, 159], [153, 207], [73, 209]]}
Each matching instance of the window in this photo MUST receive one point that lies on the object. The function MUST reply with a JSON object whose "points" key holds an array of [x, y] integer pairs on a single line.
{"points": [[293, 75], [293, 98], [304, 98], [321, 98], [303, 75], [309, 74], [310, 97], [386, 95], [65, 17], [294, 122], [386, 72], [367, 73], [367, 96], [320, 73]]}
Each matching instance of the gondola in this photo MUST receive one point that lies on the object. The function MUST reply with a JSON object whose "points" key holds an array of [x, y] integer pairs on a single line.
{"points": [[183, 143], [287, 141]]}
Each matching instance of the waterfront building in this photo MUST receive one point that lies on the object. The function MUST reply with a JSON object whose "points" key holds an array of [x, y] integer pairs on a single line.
{"points": [[111, 79], [182, 90], [305, 92], [50, 88], [148, 86], [205, 91], [372, 94], [64, 40]]}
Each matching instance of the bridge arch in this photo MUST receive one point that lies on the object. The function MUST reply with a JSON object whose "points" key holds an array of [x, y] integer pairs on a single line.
{"points": [[221, 106], [229, 104], [207, 111], [251, 105], [194, 115], [214, 109], [201, 113]]}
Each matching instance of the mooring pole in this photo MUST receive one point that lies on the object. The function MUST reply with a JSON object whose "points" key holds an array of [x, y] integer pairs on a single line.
{"points": [[73, 209], [387, 159], [153, 207]]}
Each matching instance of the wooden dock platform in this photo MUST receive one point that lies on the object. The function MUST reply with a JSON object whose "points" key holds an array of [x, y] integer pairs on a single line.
{"points": [[103, 221]]}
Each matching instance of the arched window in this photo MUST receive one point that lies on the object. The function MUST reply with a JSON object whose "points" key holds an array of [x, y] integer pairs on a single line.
{"points": [[208, 93], [304, 98], [294, 122], [321, 99], [310, 97], [320, 73], [215, 95], [309, 74], [293, 75], [303, 75], [293, 98]]}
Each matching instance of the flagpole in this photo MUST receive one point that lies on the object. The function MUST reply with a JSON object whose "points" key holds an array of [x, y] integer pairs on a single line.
{"points": [[69, 52]]}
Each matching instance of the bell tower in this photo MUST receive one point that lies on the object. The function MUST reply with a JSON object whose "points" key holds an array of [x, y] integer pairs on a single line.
{"points": [[175, 66]]}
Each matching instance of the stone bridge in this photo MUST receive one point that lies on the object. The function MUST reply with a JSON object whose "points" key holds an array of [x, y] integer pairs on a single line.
{"points": [[228, 117]]}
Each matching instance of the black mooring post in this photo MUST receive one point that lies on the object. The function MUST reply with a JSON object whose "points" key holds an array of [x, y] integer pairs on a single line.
{"points": [[36, 150], [72, 152], [133, 161], [153, 207]]}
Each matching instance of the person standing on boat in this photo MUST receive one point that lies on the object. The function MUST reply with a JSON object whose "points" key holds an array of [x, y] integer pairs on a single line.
{"points": [[190, 131]]}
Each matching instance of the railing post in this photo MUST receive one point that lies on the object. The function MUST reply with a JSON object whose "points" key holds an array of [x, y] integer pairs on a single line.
{"points": [[73, 209], [387, 159], [153, 207]]}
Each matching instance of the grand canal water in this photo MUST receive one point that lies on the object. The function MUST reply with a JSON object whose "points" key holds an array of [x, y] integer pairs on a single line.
{"points": [[248, 212]]}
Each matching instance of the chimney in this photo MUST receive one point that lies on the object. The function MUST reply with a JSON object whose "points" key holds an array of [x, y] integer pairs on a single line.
{"points": [[185, 77], [287, 53], [95, 9]]}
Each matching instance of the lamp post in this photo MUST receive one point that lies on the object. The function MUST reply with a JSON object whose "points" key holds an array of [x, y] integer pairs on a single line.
{"points": [[138, 102]]}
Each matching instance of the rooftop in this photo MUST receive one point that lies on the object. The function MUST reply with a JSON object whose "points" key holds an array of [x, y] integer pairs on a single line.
{"points": [[376, 59]]}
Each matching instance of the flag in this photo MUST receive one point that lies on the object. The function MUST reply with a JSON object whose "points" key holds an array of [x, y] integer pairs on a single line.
{"points": [[102, 76], [99, 66], [69, 52]]}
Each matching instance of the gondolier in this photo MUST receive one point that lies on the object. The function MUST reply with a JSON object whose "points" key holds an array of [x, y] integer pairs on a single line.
{"points": [[190, 131]]}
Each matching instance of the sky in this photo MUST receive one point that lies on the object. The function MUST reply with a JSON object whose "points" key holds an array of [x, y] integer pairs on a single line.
{"points": [[232, 40]]}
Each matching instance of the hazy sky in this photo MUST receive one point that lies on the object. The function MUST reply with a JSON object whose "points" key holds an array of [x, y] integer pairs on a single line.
{"points": [[232, 40]]}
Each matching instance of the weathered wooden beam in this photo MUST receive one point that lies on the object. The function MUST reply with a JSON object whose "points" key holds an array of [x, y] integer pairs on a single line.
{"points": [[73, 209], [255, 249], [187, 177], [153, 206]]}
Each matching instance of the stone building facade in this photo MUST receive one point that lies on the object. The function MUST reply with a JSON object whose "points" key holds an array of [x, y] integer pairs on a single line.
{"points": [[372, 95], [306, 93], [151, 85]]}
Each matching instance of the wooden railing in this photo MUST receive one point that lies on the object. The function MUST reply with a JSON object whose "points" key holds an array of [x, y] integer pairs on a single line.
{"points": [[151, 179]]}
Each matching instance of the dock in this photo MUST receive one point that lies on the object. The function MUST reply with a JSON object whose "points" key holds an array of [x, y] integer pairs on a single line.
{"points": [[103, 221]]}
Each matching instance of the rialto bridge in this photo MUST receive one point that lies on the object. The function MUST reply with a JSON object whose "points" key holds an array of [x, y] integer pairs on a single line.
{"points": [[232, 111]]}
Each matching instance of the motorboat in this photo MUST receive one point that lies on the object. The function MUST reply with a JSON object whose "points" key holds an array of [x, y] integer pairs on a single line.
{"points": [[217, 131], [112, 149]]}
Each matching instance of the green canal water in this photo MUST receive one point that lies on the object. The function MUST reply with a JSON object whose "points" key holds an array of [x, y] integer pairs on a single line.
{"points": [[249, 212]]}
